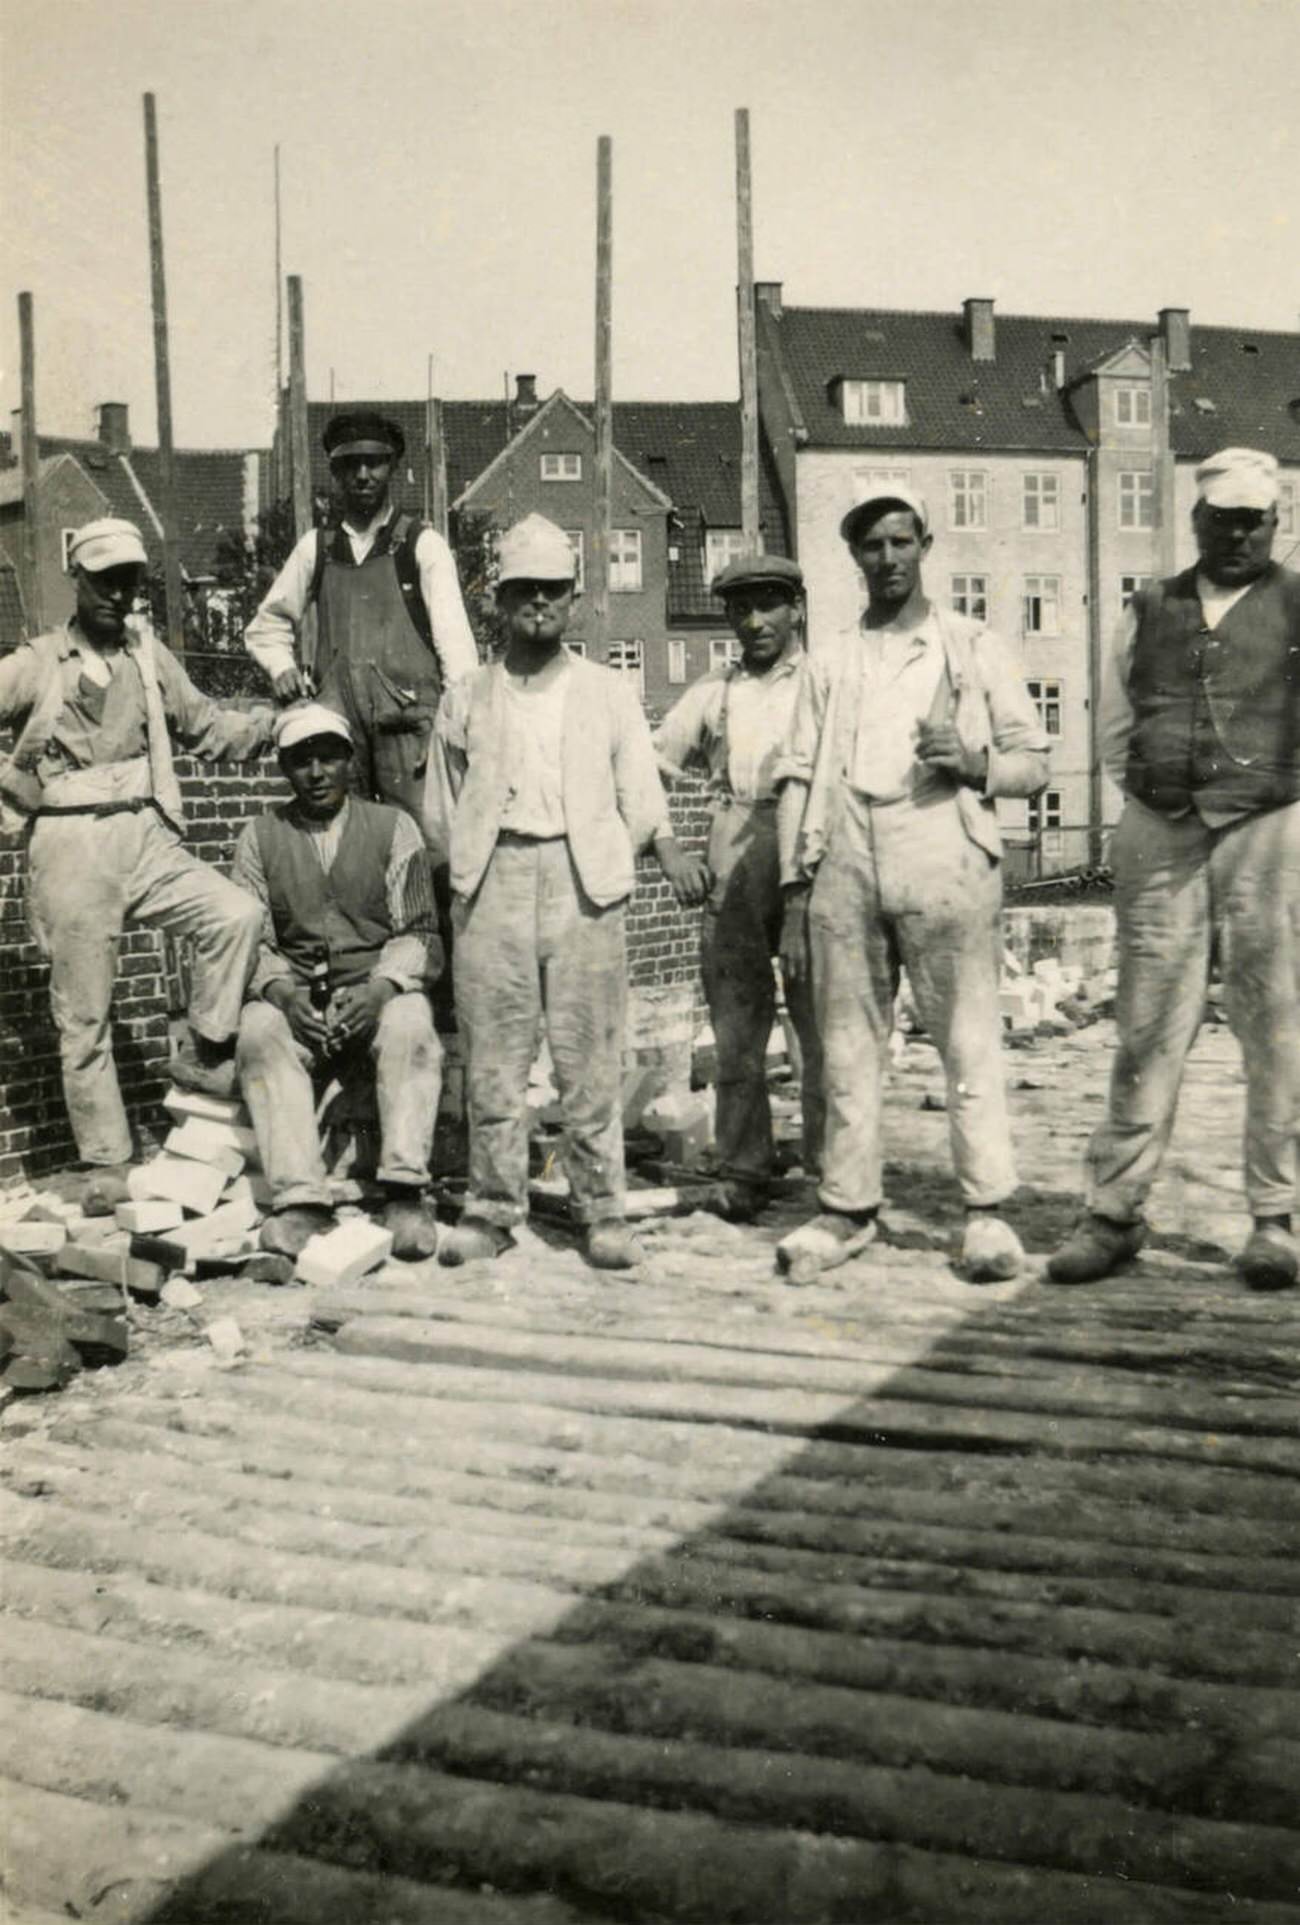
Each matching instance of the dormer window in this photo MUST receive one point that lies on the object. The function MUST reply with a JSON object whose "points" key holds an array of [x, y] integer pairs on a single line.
{"points": [[556, 467], [1132, 406], [867, 404]]}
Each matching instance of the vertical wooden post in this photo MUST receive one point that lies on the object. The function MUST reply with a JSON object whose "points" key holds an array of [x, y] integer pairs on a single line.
{"points": [[749, 511], [1162, 462], [438, 504], [279, 455], [163, 385], [602, 507], [31, 460], [300, 453], [1096, 644]]}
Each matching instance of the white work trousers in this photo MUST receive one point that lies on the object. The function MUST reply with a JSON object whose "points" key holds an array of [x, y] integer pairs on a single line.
{"points": [[903, 886], [87, 877], [1177, 882], [401, 1066]]}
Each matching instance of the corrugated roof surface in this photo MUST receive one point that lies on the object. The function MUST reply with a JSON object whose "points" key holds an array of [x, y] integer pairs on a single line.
{"points": [[1250, 378]]}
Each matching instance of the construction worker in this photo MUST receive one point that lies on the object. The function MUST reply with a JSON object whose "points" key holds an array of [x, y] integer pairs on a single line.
{"points": [[731, 725], [393, 633], [904, 733], [95, 703], [1201, 728], [349, 949], [543, 790]]}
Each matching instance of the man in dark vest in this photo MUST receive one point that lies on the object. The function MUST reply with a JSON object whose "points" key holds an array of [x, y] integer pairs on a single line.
{"points": [[349, 951], [392, 628], [1201, 726]]}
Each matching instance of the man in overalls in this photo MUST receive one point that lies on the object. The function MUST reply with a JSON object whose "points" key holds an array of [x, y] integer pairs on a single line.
{"points": [[730, 725]]}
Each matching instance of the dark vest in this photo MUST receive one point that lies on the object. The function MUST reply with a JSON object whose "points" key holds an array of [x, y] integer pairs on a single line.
{"points": [[341, 917], [1216, 713]]}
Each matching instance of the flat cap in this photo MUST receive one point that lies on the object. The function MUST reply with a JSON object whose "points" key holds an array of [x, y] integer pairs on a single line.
{"points": [[535, 550], [759, 571], [363, 433], [106, 543], [895, 493], [305, 719], [1238, 478]]}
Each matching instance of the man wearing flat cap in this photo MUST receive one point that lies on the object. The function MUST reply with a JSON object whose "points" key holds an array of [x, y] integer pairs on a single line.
{"points": [[904, 733], [729, 726], [95, 704], [1201, 729], [392, 628], [349, 950], [542, 791]]}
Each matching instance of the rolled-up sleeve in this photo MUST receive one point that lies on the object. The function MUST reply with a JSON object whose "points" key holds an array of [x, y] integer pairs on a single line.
{"points": [[453, 638], [1018, 743], [412, 956], [204, 727], [270, 636], [684, 739], [641, 799], [1116, 723], [247, 873], [444, 774]]}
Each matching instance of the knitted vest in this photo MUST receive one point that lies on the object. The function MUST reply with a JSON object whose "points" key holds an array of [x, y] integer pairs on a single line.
{"points": [[340, 918], [1216, 713]]}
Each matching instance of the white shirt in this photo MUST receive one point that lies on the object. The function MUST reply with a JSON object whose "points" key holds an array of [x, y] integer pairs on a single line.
{"points": [[732, 724], [269, 637], [534, 750], [901, 667]]}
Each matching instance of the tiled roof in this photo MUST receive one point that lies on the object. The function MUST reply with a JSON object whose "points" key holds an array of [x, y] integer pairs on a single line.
{"points": [[1250, 379], [12, 624], [209, 492]]}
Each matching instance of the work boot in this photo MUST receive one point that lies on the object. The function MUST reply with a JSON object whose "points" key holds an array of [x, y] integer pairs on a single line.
{"points": [[1270, 1260], [105, 1188], [286, 1232], [737, 1201], [472, 1240], [991, 1252], [415, 1234], [1096, 1246], [610, 1245], [205, 1067], [824, 1242]]}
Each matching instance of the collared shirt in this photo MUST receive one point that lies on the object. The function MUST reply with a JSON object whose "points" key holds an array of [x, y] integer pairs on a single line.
{"points": [[730, 726], [901, 668], [534, 804], [269, 637], [404, 958]]}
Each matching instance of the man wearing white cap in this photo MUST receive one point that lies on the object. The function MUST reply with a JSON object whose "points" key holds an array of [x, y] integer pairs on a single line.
{"points": [[349, 951], [95, 703], [1201, 728], [902, 737], [544, 788]]}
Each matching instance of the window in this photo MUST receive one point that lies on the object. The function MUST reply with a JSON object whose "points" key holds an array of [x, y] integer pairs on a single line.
{"points": [[1287, 522], [1046, 698], [629, 659], [1044, 820], [874, 481], [967, 498], [721, 545], [970, 596], [1133, 407], [624, 560], [676, 659], [65, 543], [576, 648], [1137, 498], [1129, 586], [1042, 605], [561, 468], [578, 543], [875, 402], [723, 651], [1041, 502]]}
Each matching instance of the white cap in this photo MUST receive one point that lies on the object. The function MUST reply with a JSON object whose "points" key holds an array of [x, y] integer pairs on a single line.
{"points": [[893, 491], [305, 719], [1238, 478], [106, 543], [535, 550]]}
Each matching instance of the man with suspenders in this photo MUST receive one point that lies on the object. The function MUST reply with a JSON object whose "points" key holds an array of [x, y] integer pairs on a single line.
{"points": [[904, 732]]}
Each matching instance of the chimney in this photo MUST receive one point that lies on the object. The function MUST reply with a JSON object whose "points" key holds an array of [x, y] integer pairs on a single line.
{"points": [[115, 427], [768, 295], [980, 337], [1176, 333], [525, 394]]}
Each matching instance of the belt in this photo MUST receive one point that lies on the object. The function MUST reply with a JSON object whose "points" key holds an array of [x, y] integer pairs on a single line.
{"points": [[524, 835], [99, 808]]}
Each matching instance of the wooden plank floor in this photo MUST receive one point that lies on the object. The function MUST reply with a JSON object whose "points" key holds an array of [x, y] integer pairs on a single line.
{"points": [[527, 1594]]}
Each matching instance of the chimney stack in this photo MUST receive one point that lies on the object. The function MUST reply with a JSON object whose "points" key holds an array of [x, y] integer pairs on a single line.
{"points": [[115, 427], [525, 393], [1176, 333], [981, 339], [768, 295]]}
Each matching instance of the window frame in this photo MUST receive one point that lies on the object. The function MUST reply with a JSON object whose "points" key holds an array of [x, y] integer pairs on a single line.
{"points": [[1047, 703], [1042, 488], [890, 392], [619, 562], [1043, 819], [1139, 583], [960, 488], [724, 651], [677, 665], [620, 667], [734, 540], [1137, 496], [969, 594], [578, 543], [66, 538], [1043, 596], [1288, 496], [560, 473], [1137, 393]]}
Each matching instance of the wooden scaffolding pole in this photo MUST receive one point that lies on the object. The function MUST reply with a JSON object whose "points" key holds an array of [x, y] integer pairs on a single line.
{"points": [[163, 386], [278, 456], [602, 513], [749, 510], [300, 454], [31, 462]]}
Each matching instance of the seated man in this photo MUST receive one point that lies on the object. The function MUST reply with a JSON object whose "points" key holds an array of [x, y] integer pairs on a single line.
{"points": [[96, 704], [349, 950]]}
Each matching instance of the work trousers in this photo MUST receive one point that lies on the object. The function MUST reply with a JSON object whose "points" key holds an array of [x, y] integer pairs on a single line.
{"points": [[903, 886], [401, 1068], [87, 877], [1177, 882], [532, 946], [740, 936]]}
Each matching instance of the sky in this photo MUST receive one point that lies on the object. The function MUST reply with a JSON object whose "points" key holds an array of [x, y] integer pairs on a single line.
{"points": [[438, 161]]}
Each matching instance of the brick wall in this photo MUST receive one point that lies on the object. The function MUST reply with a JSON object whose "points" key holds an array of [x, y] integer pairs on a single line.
{"points": [[34, 1134]]}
